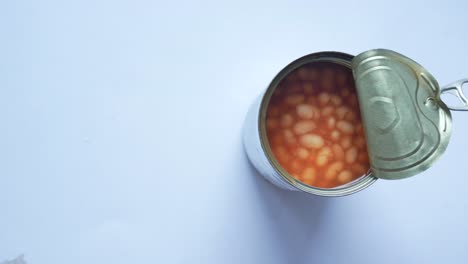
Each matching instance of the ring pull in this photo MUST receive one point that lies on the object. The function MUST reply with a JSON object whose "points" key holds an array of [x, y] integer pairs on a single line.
{"points": [[456, 90]]}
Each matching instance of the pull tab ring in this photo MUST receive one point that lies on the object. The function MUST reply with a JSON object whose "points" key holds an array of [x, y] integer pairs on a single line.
{"points": [[455, 89]]}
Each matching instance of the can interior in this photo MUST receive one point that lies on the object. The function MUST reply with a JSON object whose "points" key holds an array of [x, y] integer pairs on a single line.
{"points": [[299, 78]]}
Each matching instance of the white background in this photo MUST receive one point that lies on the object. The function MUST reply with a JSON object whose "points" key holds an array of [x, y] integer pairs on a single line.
{"points": [[120, 135]]}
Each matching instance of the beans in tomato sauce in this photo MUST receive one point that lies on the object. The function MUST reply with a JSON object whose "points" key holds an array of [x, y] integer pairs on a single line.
{"points": [[314, 126]]}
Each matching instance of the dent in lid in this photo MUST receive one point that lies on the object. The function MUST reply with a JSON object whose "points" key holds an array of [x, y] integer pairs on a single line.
{"points": [[407, 126]]}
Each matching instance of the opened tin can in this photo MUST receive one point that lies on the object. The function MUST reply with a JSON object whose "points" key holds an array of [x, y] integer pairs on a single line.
{"points": [[331, 124]]}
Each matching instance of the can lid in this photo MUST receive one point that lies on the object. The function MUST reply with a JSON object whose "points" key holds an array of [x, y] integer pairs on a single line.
{"points": [[407, 126]]}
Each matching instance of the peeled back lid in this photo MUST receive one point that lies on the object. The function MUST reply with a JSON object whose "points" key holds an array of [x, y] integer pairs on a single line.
{"points": [[407, 126]]}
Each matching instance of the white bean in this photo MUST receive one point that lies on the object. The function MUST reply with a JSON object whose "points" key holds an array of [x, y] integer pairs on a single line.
{"points": [[345, 142], [297, 165], [335, 135], [350, 116], [351, 155], [331, 122], [345, 176], [289, 137], [312, 141], [281, 154], [305, 111], [308, 175], [323, 98], [341, 111], [316, 113], [345, 126], [287, 120], [302, 153], [338, 152], [303, 127], [323, 156], [333, 170], [336, 100]]}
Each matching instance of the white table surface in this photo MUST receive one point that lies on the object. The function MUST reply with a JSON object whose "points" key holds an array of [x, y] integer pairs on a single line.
{"points": [[121, 122]]}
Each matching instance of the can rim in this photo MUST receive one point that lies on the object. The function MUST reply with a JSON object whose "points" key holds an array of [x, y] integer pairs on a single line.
{"points": [[343, 190]]}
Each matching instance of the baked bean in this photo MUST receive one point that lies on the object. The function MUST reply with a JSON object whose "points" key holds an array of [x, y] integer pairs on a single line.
{"points": [[331, 122], [302, 153], [333, 170], [309, 111], [312, 141], [306, 111], [287, 120], [297, 165], [303, 127], [289, 137], [314, 126], [323, 98], [308, 175], [281, 154], [336, 100], [335, 135], [341, 111], [345, 142], [345, 127], [323, 156], [351, 155], [338, 152], [345, 176]]}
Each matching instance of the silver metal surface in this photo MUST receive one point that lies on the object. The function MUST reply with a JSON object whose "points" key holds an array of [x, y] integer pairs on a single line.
{"points": [[407, 126], [455, 89]]}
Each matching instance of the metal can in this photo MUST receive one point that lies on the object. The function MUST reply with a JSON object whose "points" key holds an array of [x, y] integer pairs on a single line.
{"points": [[407, 125]]}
